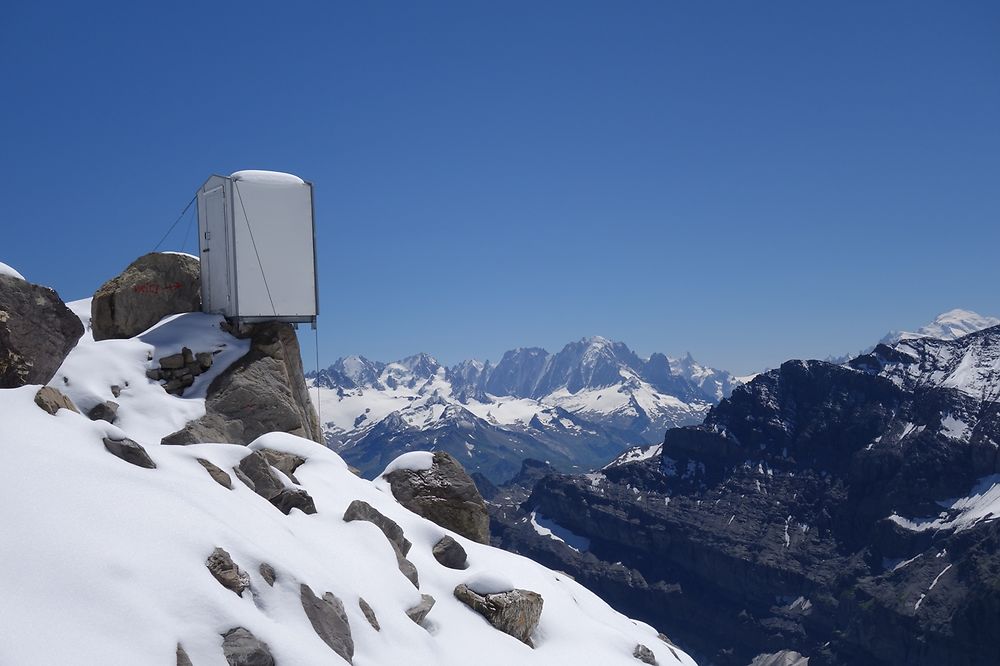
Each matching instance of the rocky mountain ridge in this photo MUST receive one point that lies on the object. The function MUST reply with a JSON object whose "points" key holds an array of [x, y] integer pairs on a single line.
{"points": [[846, 512], [576, 408]]}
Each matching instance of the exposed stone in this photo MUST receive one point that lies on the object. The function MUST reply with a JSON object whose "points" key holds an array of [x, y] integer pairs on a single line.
{"points": [[204, 360], [37, 331], [329, 620], [407, 568], [220, 476], [172, 362], [644, 654], [257, 475], [264, 391], [444, 494], [150, 288], [155, 374], [369, 614], [267, 573], [222, 567], [420, 611], [294, 498], [450, 553], [116, 390], [242, 648], [361, 510], [52, 400], [515, 612], [104, 411], [284, 462], [182, 657], [129, 451]]}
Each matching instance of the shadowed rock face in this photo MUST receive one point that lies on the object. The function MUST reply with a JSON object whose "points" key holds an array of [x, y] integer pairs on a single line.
{"points": [[443, 494], [152, 287], [265, 391], [37, 331], [769, 528]]}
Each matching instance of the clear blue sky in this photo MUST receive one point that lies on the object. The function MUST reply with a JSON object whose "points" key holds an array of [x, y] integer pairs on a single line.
{"points": [[746, 181]]}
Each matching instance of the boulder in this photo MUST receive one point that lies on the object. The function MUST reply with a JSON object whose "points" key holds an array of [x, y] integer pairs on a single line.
{"points": [[218, 474], [329, 620], [152, 287], [265, 391], [241, 648], [267, 573], [361, 510], [222, 567], [515, 612], [256, 474], [284, 462], [52, 400], [104, 411], [449, 553], [420, 611], [644, 654], [182, 657], [37, 331], [369, 614], [129, 451], [444, 494]]}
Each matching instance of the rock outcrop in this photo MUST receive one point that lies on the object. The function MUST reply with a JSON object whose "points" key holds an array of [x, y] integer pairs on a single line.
{"points": [[220, 476], [242, 648], [130, 451], [52, 400], [449, 553], [255, 472], [224, 570], [265, 391], [420, 611], [443, 494], [37, 331], [329, 619], [177, 371], [361, 510], [369, 614], [515, 612], [152, 287]]}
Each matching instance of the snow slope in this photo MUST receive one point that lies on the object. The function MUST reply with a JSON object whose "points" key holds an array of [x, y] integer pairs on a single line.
{"points": [[109, 558]]}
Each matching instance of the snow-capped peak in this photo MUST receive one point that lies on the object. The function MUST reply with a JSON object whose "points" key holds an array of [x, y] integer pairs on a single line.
{"points": [[949, 325]]}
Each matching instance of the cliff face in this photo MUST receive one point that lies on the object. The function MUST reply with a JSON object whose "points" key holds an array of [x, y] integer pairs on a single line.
{"points": [[815, 510]]}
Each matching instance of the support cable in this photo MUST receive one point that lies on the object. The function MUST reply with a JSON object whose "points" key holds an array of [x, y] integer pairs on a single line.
{"points": [[179, 217]]}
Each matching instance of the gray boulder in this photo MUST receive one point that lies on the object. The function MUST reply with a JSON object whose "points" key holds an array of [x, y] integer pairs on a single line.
{"points": [[256, 474], [129, 451], [52, 400], [37, 331], [329, 620], [265, 391], [152, 287], [284, 462], [224, 570], [220, 476], [644, 654], [515, 612], [182, 657], [242, 648], [420, 611], [361, 510], [449, 553], [104, 411], [369, 614], [444, 494], [267, 573]]}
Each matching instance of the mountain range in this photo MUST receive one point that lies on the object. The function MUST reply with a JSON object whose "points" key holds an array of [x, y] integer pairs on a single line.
{"points": [[577, 408]]}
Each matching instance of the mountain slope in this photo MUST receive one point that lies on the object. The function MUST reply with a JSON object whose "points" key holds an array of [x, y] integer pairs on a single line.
{"points": [[117, 563], [846, 512], [577, 408]]}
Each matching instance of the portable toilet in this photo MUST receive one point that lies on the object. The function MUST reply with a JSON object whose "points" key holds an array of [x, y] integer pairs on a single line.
{"points": [[257, 237]]}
